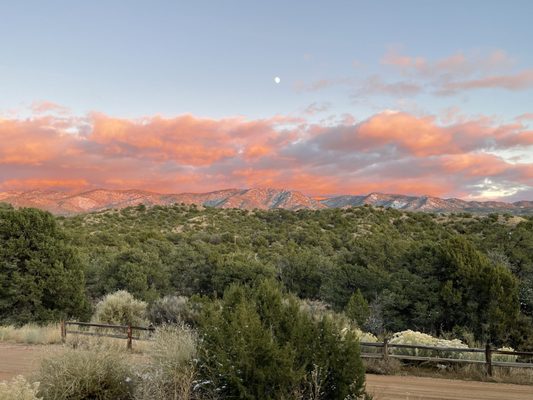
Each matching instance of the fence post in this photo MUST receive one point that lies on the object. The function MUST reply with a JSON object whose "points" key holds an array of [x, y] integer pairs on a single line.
{"points": [[385, 348], [130, 339], [488, 358], [63, 331]]}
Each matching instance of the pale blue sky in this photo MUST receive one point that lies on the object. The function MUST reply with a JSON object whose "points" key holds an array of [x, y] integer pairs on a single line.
{"points": [[219, 58], [412, 96]]}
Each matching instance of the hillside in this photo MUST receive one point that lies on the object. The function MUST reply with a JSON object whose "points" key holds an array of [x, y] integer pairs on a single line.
{"points": [[61, 203]]}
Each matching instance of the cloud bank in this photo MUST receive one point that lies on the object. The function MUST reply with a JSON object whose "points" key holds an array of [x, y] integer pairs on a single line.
{"points": [[387, 152]]}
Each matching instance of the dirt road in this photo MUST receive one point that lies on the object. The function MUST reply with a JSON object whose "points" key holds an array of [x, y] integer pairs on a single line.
{"points": [[414, 388], [19, 359], [16, 359]]}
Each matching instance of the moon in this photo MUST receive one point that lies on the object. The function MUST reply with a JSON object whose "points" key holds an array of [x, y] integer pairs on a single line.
{"points": [[277, 79]]}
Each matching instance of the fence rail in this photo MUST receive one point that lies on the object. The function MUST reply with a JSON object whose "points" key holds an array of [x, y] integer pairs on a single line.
{"points": [[488, 351], [127, 331]]}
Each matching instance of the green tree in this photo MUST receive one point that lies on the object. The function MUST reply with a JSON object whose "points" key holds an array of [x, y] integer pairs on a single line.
{"points": [[474, 293], [357, 308], [41, 277], [257, 344]]}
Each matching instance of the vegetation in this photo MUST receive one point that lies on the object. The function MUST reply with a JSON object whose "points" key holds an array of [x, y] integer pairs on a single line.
{"points": [[271, 299], [19, 388], [31, 334], [120, 308], [172, 373], [86, 374], [440, 274], [256, 344], [41, 276]]}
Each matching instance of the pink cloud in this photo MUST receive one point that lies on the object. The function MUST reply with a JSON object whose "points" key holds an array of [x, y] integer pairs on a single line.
{"points": [[517, 81], [387, 152], [44, 107], [454, 65], [461, 72]]}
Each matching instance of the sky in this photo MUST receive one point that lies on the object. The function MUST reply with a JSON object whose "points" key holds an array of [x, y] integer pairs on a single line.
{"points": [[412, 97]]}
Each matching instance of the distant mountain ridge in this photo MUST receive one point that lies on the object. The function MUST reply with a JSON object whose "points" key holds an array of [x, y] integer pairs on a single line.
{"points": [[62, 203]]}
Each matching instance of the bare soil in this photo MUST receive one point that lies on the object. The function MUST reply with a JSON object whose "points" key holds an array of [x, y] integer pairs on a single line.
{"points": [[387, 387], [16, 359]]}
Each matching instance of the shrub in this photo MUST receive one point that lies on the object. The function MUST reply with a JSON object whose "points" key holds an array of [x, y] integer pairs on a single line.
{"points": [[171, 373], [19, 389], [86, 375], [419, 338], [41, 275], [170, 310], [257, 344], [357, 308], [120, 308]]}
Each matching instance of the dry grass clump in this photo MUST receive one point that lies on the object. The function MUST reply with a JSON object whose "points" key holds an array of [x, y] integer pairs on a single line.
{"points": [[86, 374], [31, 334], [390, 366], [19, 389], [83, 342], [521, 376], [171, 373]]}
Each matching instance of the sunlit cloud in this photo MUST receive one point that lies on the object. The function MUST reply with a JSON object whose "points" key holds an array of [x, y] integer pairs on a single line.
{"points": [[391, 151], [457, 73]]}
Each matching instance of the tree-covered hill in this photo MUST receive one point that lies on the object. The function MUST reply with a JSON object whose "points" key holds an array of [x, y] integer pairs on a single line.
{"points": [[466, 275], [436, 273]]}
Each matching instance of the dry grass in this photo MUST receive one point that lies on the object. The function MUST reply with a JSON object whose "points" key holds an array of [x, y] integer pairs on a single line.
{"points": [[171, 373], [19, 389], [379, 366], [80, 374], [83, 342], [31, 334], [51, 334]]}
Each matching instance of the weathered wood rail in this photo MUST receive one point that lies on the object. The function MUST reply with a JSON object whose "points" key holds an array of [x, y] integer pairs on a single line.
{"points": [[488, 352], [125, 331]]}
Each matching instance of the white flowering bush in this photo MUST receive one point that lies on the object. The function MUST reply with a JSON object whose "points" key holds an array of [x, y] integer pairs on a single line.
{"points": [[410, 337], [504, 357], [365, 336], [20, 389]]}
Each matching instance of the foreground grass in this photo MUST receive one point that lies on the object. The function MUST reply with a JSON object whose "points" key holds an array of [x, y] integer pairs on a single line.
{"points": [[31, 334]]}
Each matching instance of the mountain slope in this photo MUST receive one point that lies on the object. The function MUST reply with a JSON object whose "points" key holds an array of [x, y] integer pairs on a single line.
{"points": [[261, 198]]}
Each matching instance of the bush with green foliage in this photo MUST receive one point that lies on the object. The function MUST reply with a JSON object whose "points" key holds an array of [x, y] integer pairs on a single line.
{"points": [[41, 276], [357, 308], [170, 310], [257, 344], [120, 308]]}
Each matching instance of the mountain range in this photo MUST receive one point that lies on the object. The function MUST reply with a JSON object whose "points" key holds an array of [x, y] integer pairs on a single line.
{"points": [[61, 203]]}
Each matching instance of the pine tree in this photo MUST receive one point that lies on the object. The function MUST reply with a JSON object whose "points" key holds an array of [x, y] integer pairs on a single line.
{"points": [[357, 308], [41, 277]]}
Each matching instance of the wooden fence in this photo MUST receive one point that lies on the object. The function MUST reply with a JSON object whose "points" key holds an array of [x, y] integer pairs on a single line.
{"points": [[385, 353], [124, 331]]}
